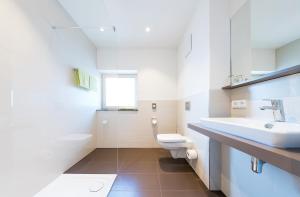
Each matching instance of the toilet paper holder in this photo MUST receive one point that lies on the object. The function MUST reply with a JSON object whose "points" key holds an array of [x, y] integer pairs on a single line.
{"points": [[191, 154], [154, 121]]}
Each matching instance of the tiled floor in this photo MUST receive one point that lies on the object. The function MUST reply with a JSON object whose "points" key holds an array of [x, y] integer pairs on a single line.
{"points": [[144, 173]]}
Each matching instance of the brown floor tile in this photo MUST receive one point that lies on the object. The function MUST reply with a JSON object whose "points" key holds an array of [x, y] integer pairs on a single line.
{"points": [[136, 182], [138, 154], [162, 153], [189, 193], [103, 154], [134, 194], [144, 173], [77, 167], [183, 193], [99, 161], [170, 165], [138, 167], [94, 168], [183, 181]]}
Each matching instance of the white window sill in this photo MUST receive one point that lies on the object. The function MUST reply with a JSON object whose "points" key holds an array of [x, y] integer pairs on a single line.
{"points": [[125, 110]]}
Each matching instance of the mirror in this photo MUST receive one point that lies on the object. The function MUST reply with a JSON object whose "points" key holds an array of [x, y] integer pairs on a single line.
{"points": [[265, 37]]}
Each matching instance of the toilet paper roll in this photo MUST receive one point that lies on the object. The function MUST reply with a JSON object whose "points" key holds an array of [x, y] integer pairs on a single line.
{"points": [[191, 154]]}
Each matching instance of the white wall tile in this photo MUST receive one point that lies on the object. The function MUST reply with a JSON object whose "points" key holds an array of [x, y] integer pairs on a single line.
{"points": [[134, 129], [38, 133]]}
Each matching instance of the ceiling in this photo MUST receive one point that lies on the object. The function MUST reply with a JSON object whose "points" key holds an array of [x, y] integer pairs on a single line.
{"points": [[274, 22], [166, 18]]}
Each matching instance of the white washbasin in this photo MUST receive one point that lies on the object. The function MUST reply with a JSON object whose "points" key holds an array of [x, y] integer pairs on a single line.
{"points": [[281, 135]]}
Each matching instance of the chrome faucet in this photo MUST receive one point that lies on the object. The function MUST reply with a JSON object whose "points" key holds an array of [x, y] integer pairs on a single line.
{"points": [[278, 109]]}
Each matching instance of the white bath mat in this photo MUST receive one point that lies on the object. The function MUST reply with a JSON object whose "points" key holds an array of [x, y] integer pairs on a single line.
{"points": [[79, 185]]}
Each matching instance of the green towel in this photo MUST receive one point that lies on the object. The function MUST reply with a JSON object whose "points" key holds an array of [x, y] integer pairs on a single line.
{"points": [[76, 77], [93, 83], [82, 79]]}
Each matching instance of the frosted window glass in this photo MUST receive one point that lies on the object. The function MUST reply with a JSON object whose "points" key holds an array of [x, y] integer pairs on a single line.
{"points": [[120, 92]]}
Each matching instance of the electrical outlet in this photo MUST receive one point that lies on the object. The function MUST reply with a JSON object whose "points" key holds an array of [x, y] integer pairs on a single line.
{"points": [[239, 104], [187, 106]]}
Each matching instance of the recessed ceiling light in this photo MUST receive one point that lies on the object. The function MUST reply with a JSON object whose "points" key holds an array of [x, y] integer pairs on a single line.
{"points": [[102, 29], [147, 29]]}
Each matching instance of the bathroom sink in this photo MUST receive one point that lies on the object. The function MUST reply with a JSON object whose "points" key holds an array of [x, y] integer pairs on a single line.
{"points": [[276, 134]]}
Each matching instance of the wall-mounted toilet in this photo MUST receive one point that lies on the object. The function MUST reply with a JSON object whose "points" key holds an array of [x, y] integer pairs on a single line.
{"points": [[176, 143]]}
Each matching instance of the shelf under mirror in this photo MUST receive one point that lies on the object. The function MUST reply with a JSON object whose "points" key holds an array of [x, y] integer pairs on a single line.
{"points": [[274, 75]]}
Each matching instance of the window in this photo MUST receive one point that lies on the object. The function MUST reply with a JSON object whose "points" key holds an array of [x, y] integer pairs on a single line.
{"points": [[118, 91]]}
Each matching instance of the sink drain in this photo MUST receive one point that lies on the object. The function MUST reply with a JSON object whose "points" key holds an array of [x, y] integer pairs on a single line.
{"points": [[269, 126]]}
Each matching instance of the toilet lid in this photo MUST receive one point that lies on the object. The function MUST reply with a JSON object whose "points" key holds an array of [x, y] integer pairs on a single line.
{"points": [[170, 138]]}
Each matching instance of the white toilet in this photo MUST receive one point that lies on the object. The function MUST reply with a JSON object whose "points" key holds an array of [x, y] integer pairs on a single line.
{"points": [[176, 143]]}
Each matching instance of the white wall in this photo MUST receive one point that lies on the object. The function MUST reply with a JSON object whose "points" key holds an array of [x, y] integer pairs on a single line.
{"points": [[241, 58], [219, 100], [156, 69], [193, 70], [288, 55], [263, 59], [200, 78], [219, 58], [156, 83], [193, 85], [235, 5], [38, 123]]}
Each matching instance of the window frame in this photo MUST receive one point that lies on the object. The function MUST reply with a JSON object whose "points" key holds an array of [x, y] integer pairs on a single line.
{"points": [[103, 92]]}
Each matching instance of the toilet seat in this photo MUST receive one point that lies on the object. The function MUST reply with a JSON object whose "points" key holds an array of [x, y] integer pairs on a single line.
{"points": [[171, 138], [177, 144]]}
